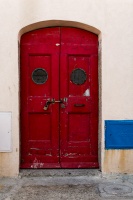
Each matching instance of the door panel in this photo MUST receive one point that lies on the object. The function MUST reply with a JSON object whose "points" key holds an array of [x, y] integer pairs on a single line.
{"points": [[79, 117], [44, 62], [40, 129], [61, 64]]}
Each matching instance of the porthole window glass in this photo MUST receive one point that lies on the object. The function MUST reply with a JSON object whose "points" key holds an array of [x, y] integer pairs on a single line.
{"points": [[78, 76], [39, 76]]}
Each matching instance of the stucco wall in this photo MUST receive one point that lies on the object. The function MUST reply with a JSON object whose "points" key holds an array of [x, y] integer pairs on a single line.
{"points": [[114, 19]]}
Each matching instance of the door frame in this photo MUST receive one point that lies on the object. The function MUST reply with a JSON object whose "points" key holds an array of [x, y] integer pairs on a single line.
{"points": [[61, 23]]}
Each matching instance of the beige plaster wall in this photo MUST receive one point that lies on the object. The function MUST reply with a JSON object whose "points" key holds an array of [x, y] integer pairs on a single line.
{"points": [[114, 18]]}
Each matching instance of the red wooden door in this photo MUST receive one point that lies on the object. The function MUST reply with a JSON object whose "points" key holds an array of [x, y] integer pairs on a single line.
{"points": [[59, 99], [39, 128], [79, 86]]}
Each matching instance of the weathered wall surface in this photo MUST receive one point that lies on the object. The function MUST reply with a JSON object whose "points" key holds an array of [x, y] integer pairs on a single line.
{"points": [[115, 21]]}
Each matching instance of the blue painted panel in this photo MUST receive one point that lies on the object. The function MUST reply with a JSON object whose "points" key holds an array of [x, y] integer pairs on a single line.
{"points": [[119, 134]]}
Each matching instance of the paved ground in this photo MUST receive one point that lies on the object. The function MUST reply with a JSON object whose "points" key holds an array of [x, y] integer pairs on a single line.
{"points": [[79, 184]]}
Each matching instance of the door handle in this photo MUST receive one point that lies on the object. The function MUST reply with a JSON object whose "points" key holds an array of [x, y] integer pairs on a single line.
{"points": [[47, 104], [51, 101]]}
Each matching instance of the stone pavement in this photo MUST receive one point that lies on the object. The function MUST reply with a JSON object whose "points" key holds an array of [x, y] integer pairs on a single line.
{"points": [[65, 184]]}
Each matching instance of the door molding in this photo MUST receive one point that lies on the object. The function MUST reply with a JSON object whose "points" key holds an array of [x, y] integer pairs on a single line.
{"points": [[54, 23]]}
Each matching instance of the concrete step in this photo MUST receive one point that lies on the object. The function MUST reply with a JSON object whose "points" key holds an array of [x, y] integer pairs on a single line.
{"points": [[59, 172]]}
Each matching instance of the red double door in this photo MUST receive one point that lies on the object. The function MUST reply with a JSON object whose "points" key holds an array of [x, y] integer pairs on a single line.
{"points": [[59, 98]]}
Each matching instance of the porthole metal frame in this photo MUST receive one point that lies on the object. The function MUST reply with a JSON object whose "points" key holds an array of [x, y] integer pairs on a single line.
{"points": [[82, 71], [42, 70]]}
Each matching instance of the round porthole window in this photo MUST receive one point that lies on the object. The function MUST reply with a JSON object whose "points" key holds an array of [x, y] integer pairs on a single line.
{"points": [[39, 76], [78, 76]]}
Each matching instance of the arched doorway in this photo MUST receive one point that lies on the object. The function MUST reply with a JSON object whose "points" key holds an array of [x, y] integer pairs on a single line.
{"points": [[59, 98]]}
